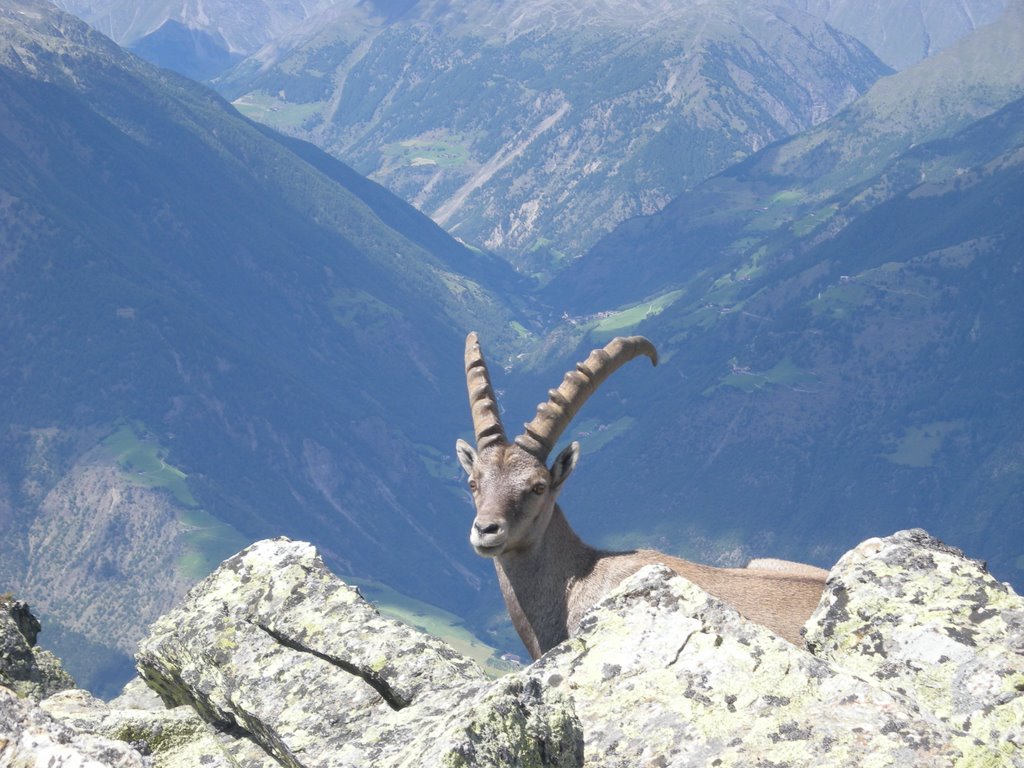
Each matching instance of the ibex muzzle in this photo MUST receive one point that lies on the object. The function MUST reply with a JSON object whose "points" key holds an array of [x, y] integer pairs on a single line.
{"points": [[548, 576]]}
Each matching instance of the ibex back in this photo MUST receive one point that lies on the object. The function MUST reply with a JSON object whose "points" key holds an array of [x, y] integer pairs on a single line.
{"points": [[548, 575]]}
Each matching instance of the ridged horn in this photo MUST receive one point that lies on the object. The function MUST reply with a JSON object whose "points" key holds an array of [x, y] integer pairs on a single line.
{"points": [[483, 403], [565, 402]]}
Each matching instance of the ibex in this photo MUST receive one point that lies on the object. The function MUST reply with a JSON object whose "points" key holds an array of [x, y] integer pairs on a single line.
{"points": [[548, 575]]}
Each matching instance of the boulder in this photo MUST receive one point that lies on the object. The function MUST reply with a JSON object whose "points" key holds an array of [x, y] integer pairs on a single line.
{"points": [[173, 737], [25, 668], [31, 738], [917, 618], [663, 674], [275, 646]]}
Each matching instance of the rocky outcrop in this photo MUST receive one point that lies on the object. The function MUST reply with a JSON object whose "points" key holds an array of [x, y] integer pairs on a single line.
{"points": [[161, 736], [914, 617], [26, 669], [30, 738], [914, 657], [275, 646]]}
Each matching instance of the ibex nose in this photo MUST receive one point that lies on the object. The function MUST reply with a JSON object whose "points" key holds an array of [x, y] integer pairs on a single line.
{"points": [[487, 538]]}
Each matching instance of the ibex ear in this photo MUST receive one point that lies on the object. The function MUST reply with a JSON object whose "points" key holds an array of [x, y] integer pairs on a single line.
{"points": [[466, 454], [564, 464]]}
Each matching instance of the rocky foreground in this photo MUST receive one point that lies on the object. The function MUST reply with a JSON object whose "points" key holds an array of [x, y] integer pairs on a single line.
{"points": [[915, 657]]}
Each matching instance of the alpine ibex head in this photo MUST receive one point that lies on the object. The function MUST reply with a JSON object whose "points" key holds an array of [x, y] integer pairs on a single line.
{"points": [[513, 487]]}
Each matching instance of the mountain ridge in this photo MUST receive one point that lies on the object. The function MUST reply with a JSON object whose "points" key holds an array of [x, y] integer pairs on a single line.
{"points": [[933, 99], [207, 324], [529, 140], [812, 371]]}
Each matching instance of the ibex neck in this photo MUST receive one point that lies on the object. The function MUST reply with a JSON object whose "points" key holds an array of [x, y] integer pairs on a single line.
{"points": [[538, 584]]}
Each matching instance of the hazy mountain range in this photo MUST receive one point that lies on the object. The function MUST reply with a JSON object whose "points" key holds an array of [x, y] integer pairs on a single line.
{"points": [[211, 333], [903, 32], [841, 313], [206, 328], [531, 129]]}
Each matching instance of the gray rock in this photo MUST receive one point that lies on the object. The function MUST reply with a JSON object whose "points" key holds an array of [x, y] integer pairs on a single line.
{"points": [[913, 659], [276, 646], [25, 668], [170, 738], [31, 738], [664, 674], [916, 617]]}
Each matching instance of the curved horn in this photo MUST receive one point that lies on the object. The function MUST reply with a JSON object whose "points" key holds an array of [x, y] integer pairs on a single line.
{"points": [[563, 403], [483, 403]]}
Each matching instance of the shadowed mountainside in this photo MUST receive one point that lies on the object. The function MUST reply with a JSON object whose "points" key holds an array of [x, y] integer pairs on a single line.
{"points": [[839, 327], [210, 333]]}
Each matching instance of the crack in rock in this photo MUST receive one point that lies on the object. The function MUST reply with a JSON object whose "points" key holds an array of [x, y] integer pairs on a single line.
{"points": [[375, 681]]}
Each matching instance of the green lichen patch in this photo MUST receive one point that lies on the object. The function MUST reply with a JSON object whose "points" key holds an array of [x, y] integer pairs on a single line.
{"points": [[947, 632], [708, 683]]}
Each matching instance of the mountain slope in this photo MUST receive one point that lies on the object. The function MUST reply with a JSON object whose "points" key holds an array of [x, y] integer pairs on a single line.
{"points": [[533, 128], [237, 28], [905, 32], [210, 333], [796, 179], [836, 366]]}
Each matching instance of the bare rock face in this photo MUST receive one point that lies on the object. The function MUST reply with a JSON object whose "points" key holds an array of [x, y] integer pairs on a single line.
{"points": [[164, 737], [25, 668], [664, 674], [30, 738], [917, 618], [274, 646], [913, 658]]}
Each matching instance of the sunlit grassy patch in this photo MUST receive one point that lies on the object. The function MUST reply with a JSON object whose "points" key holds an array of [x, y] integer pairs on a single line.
{"points": [[919, 445], [594, 435], [208, 542], [142, 459], [787, 197], [813, 220], [615, 322], [275, 112], [784, 373], [445, 153], [205, 540], [434, 621]]}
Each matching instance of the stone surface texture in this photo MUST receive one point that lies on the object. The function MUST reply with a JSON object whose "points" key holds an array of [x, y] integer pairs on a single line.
{"points": [[916, 617], [276, 646], [25, 668], [913, 658], [31, 738], [663, 674]]}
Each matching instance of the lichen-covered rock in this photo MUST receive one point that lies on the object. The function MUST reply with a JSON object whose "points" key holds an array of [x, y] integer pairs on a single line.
{"points": [[276, 646], [169, 738], [31, 738], [917, 617], [512, 722], [664, 674], [25, 668], [914, 658]]}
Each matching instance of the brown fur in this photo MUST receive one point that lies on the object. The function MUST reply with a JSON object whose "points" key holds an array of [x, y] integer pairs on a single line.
{"points": [[550, 577]]}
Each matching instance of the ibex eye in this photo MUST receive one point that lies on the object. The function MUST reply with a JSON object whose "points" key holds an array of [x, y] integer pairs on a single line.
{"points": [[472, 485], [539, 488]]}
